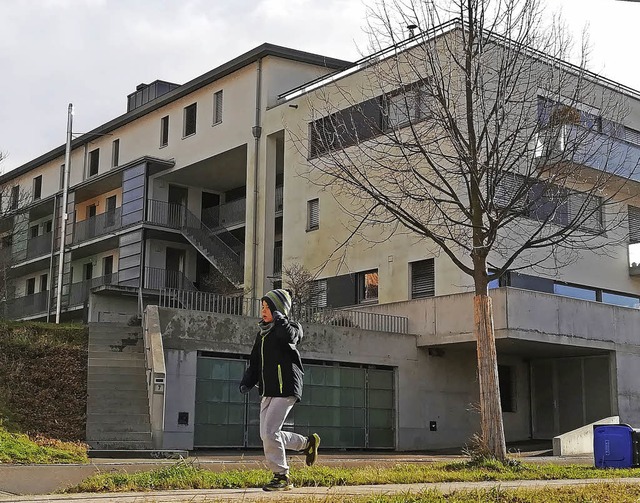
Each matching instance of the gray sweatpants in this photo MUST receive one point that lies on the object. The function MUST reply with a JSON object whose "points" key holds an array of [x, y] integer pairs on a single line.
{"points": [[273, 412]]}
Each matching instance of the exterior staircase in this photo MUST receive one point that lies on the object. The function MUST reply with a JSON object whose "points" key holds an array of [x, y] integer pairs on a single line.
{"points": [[117, 402]]}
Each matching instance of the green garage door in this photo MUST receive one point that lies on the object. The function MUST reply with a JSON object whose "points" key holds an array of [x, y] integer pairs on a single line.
{"points": [[350, 407]]}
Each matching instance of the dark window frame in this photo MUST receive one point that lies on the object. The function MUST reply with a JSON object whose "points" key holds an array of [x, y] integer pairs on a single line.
{"points": [[115, 152], [428, 269], [218, 106], [365, 295], [190, 120], [164, 131], [37, 188], [93, 165], [313, 214]]}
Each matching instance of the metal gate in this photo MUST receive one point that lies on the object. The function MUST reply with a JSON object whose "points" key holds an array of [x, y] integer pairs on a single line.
{"points": [[348, 406]]}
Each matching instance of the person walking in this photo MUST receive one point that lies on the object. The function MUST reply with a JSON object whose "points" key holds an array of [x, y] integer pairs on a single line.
{"points": [[275, 366]]}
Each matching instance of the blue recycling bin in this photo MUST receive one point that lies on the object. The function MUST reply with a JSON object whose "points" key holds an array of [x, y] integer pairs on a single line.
{"points": [[615, 446]]}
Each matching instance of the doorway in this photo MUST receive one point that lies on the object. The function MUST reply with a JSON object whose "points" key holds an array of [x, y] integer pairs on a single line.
{"points": [[567, 393], [174, 267], [178, 197]]}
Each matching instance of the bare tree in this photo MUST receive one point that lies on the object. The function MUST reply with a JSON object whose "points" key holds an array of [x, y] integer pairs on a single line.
{"points": [[299, 281], [475, 136]]}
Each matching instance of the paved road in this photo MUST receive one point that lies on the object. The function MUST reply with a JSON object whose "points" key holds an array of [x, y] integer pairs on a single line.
{"points": [[303, 494]]}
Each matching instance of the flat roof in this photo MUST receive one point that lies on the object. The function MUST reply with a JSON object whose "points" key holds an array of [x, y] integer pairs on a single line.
{"points": [[217, 73]]}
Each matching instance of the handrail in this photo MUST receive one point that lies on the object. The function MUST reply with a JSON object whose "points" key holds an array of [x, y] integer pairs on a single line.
{"points": [[98, 225], [156, 278], [156, 372], [241, 306]]}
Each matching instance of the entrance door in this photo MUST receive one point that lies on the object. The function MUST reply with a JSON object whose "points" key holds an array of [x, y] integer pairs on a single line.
{"points": [[177, 203], [110, 211], [174, 267], [567, 393]]}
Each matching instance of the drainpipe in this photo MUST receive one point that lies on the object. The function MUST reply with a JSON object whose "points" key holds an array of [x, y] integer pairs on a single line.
{"points": [[53, 250], [64, 214], [257, 132]]}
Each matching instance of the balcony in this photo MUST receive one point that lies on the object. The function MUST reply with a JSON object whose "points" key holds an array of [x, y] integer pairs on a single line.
{"points": [[156, 278], [634, 259], [35, 247], [99, 225], [28, 306], [226, 215], [604, 152]]}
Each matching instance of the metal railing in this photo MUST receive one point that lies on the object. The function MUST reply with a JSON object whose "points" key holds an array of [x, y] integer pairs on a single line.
{"points": [[156, 278], [241, 306], [23, 307], [226, 215], [165, 214], [78, 292], [33, 248], [104, 223]]}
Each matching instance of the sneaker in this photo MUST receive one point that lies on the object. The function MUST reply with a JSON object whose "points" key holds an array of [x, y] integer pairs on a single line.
{"points": [[280, 482], [311, 451]]}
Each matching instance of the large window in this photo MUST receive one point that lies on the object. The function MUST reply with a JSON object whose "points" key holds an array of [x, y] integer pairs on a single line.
{"points": [[313, 214], [94, 161], [15, 197], [190, 115], [164, 131], [217, 108], [318, 297], [367, 284], [577, 292], [406, 106], [422, 279]]}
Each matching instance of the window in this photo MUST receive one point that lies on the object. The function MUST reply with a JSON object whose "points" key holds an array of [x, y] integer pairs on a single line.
{"points": [[633, 219], [44, 284], [313, 214], [217, 107], [37, 187], [406, 106], [507, 383], [574, 291], [621, 300], [15, 196], [47, 226], [422, 279], [61, 176], [368, 286], [115, 153], [94, 160], [33, 232], [190, 114], [164, 131], [31, 286], [318, 294]]}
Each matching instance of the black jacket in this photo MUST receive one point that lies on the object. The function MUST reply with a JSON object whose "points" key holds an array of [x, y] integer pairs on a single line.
{"points": [[275, 364]]}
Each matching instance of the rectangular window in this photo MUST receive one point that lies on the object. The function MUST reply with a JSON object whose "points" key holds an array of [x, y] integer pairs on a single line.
{"points": [[313, 214], [31, 286], [217, 107], [318, 294], [507, 383], [633, 220], [47, 226], [115, 153], [37, 187], [94, 161], [164, 131], [33, 232], [422, 279], [406, 106], [190, 115], [15, 196], [44, 283], [61, 176], [575, 292], [368, 286], [620, 300]]}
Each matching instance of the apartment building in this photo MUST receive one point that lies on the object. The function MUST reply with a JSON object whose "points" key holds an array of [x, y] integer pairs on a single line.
{"points": [[204, 189]]}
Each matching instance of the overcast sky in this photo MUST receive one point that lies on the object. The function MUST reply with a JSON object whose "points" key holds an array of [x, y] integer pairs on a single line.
{"points": [[92, 53]]}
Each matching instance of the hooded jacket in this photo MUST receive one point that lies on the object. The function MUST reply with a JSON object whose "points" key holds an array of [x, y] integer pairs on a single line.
{"points": [[275, 364]]}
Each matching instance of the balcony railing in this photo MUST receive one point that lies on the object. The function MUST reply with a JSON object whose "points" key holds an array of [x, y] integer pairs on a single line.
{"points": [[32, 248], [156, 278], [99, 225], [165, 214], [221, 304], [601, 151], [225, 215], [634, 259], [27, 306]]}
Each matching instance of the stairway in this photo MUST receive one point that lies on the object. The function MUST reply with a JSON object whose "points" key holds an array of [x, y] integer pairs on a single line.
{"points": [[117, 401]]}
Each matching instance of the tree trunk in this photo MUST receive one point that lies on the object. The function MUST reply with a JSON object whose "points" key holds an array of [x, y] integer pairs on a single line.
{"points": [[490, 409]]}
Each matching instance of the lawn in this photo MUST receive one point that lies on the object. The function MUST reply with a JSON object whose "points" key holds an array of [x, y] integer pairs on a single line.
{"points": [[20, 449]]}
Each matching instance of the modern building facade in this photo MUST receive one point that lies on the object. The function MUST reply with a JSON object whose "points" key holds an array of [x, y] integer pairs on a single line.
{"points": [[197, 196]]}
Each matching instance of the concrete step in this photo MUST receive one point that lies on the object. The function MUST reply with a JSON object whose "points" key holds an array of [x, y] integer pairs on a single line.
{"points": [[117, 418], [99, 428], [116, 362], [122, 404], [120, 384], [107, 394], [120, 444], [117, 355], [140, 436], [101, 370], [115, 338]]}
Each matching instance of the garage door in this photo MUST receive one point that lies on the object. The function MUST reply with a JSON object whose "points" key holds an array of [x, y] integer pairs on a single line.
{"points": [[350, 407]]}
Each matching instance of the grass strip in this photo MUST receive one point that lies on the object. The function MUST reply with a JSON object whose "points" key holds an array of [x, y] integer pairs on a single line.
{"points": [[186, 475], [18, 448]]}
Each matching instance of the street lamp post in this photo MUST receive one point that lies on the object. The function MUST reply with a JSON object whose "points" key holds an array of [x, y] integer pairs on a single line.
{"points": [[64, 214]]}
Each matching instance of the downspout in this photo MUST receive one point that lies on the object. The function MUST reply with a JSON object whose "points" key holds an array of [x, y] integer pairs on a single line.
{"points": [[257, 132], [54, 223]]}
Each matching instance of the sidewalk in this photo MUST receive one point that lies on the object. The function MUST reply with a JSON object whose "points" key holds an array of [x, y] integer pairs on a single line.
{"points": [[301, 494], [46, 479]]}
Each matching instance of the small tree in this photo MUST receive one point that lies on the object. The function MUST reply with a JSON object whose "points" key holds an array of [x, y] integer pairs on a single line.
{"points": [[299, 281], [475, 136]]}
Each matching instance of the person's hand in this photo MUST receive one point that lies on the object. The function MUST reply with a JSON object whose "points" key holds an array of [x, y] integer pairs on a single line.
{"points": [[244, 389]]}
